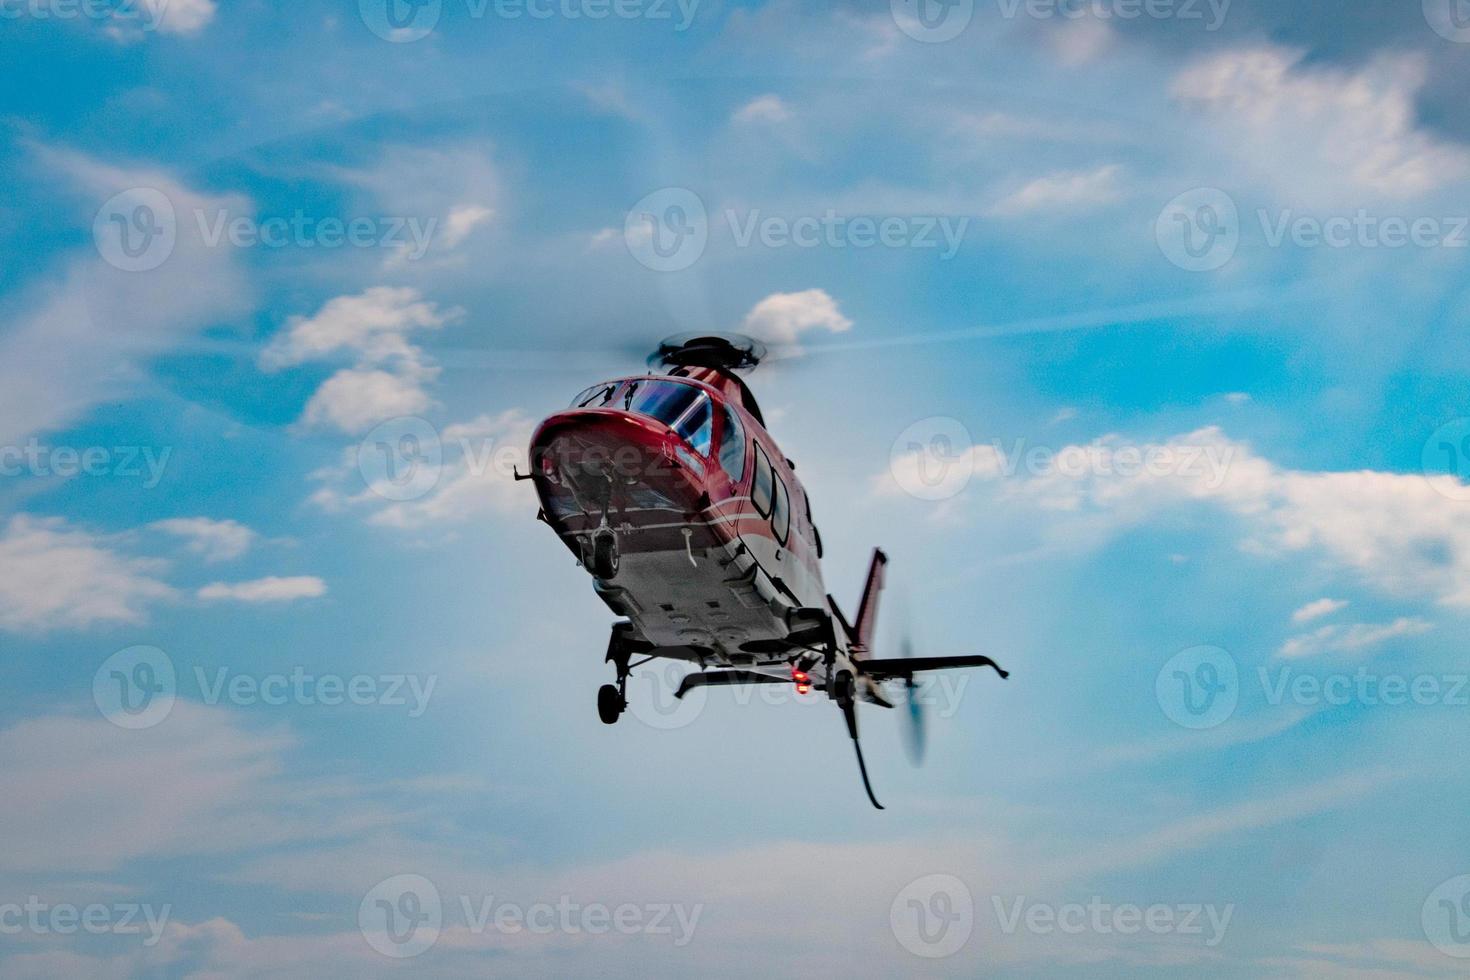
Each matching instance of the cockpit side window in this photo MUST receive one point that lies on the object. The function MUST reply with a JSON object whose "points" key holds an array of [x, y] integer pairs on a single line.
{"points": [[697, 425], [732, 446], [781, 513], [761, 486], [597, 396]]}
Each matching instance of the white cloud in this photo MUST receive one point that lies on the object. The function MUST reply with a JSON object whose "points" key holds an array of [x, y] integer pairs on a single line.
{"points": [[87, 809], [446, 192], [215, 540], [133, 22], [783, 317], [1078, 42], [1323, 134], [1403, 533], [1068, 191], [1238, 398], [1371, 959], [1352, 639], [372, 327], [606, 237], [763, 109], [476, 477], [53, 575], [355, 399], [270, 589], [462, 220], [199, 782], [1318, 608], [184, 17], [75, 338]]}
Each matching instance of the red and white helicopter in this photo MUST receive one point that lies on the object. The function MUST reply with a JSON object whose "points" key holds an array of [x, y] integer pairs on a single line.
{"points": [[669, 490]]}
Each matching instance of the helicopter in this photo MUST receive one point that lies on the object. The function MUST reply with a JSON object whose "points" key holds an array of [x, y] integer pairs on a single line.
{"points": [[699, 536]]}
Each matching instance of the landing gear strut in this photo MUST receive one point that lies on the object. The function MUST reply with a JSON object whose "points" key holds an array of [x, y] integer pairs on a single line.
{"points": [[612, 699]]}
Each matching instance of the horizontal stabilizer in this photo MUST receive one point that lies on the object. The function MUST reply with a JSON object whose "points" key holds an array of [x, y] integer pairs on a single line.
{"points": [[722, 678], [909, 666]]}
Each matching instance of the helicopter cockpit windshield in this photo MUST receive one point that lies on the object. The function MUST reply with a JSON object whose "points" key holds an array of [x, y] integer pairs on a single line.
{"points": [[684, 408]]}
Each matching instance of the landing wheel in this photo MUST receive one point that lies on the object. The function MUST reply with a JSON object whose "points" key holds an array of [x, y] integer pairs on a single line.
{"points": [[605, 556], [610, 703]]}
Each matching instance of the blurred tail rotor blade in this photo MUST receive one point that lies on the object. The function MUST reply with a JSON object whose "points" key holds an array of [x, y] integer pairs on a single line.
{"points": [[914, 729]]}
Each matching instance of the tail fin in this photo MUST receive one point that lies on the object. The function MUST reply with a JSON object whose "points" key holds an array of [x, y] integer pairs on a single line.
{"points": [[867, 614]]}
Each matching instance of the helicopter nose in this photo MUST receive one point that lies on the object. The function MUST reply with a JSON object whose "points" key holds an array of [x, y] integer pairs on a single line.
{"points": [[584, 448]]}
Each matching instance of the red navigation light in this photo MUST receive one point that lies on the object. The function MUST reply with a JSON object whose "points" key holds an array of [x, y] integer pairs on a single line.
{"points": [[803, 681]]}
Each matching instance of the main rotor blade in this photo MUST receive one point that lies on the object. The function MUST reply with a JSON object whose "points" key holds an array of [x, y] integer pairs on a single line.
{"points": [[849, 713]]}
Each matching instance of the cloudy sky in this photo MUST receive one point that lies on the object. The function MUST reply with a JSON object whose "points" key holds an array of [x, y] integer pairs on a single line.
{"points": [[1135, 332]]}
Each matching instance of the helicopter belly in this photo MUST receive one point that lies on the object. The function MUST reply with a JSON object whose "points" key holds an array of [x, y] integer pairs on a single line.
{"points": [[721, 601]]}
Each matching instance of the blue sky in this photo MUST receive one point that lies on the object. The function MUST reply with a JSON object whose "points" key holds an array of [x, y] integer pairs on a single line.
{"points": [[1172, 424]]}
